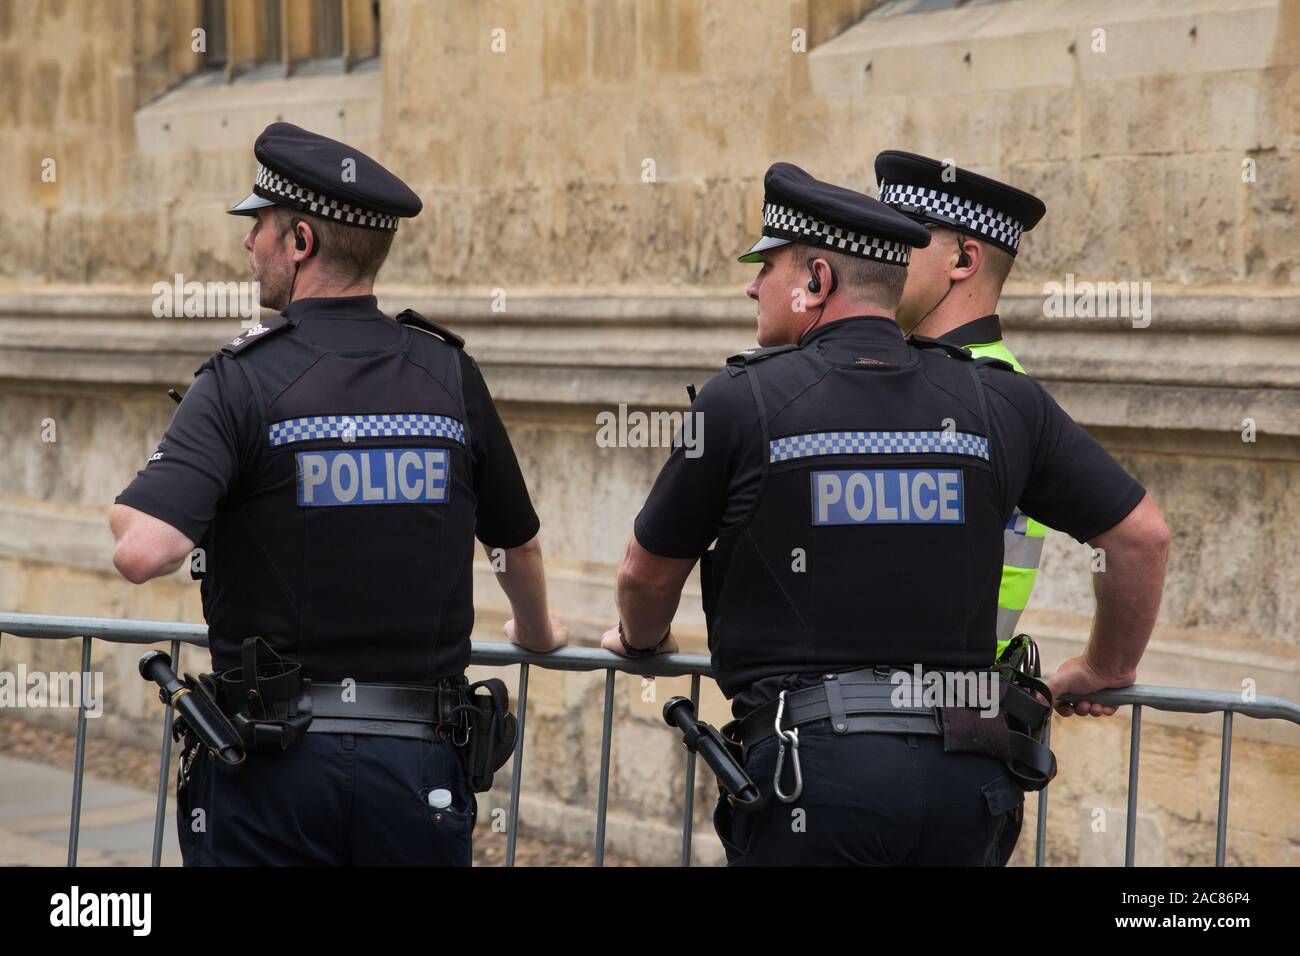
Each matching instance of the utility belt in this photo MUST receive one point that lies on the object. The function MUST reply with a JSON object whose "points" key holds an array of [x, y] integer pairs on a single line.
{"points": [[863, 702], [271, 705]]}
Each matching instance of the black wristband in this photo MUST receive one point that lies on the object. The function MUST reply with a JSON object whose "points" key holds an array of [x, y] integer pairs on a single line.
{"points": [[641, 651]]}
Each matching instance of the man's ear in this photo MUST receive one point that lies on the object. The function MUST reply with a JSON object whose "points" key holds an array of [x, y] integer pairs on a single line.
{"points": [[970, 256], [820, 280], [304, 238]]}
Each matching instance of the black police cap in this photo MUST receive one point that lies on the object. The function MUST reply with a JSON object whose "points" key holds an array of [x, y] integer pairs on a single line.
{"points": [[318, 175], [929, 191], [798, 208]]}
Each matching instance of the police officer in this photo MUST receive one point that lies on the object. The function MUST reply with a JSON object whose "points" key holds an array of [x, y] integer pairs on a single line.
{"points": [[335, 466], [856, 488], [952, 291]]}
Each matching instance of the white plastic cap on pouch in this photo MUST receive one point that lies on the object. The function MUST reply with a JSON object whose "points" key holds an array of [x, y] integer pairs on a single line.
{"points": [[439, 799]]}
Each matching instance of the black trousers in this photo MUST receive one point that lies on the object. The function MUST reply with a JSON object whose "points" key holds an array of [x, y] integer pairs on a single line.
{"points": [[872, 800], [330, 800]]}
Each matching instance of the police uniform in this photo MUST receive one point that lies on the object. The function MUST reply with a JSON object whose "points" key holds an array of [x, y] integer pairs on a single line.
{"points": [[336, 466], [855, 489], [930, 192], [933, 193]]}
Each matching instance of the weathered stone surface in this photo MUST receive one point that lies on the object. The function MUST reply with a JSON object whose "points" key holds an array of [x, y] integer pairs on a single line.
{"points": [[621, 286]]}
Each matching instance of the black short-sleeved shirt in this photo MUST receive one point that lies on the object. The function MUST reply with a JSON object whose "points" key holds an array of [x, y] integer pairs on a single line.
{"points": [[1069, 481], [336, 471], [791, 595], [212, 439]]}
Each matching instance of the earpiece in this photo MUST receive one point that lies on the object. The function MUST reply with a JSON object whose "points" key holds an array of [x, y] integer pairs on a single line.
{"points": [[963, 260], [300, 241], [814, 284]]}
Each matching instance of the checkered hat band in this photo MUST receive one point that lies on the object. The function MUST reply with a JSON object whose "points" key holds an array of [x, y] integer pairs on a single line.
{"points": [[786, 223], [877, 443], [275, 186], [348, 427], [978, 218]]}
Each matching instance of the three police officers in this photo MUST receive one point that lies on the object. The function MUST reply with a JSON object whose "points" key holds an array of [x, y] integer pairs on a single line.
{"points": [[335, 467], [855, 489]]}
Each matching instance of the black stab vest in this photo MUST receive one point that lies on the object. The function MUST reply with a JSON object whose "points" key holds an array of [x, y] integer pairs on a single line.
{"points": [[349, 547], [834, 567]]}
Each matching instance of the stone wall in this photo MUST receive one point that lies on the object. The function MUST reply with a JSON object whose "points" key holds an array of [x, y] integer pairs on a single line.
{"points": [[533, 166]]}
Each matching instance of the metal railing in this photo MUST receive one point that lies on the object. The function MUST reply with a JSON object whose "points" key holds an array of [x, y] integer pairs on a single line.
{"points": [[695, 666]]}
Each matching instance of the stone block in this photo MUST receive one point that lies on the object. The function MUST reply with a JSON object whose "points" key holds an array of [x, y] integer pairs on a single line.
{"points": [[668, 36], [1102, 835], [1204, 199], [612, 26]]}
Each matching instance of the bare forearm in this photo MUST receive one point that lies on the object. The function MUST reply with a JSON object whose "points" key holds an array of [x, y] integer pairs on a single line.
{"points": [[1128, 591], [646, 610], [524, 582], [649, 590]]}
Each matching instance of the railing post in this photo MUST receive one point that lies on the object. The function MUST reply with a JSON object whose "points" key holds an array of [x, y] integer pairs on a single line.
{"points": [[517, 769], [1177, 700], [688, 813], [79, 758], [1130, 824], [160, 811], [1225, 760], [606, 733], [1040, 839]]}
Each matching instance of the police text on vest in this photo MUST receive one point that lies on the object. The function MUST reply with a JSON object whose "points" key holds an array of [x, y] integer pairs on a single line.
{"points": [[372, 476], [932, 496]]}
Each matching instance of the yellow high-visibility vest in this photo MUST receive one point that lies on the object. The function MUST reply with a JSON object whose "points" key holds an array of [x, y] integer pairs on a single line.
{"points": [[1022, 540]]}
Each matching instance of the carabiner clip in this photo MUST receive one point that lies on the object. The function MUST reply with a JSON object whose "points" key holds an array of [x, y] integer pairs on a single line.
{"points": [[465, 737], [786, 737]]}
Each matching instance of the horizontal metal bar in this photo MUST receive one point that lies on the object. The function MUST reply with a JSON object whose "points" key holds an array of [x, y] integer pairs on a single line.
{"points": [[54, 627], [499, 654], [1192, 701], [489, 653], [495, 653]]}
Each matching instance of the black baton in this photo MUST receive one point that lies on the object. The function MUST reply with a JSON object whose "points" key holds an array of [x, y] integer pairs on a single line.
{"points": [[200, 711], [704, 739]]}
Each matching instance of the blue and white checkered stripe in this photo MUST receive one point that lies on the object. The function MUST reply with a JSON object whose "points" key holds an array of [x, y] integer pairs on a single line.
{"points": [[877, 443], [981, 219], [348, 427], [282, 188], [785, 223]]}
